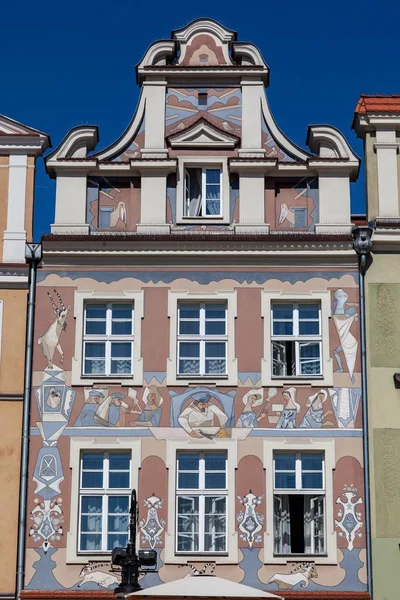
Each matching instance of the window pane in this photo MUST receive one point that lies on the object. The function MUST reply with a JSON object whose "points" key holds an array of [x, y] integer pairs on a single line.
{"points": [[309, 328], [90, 541], [283, 359], [91, 504], [95, 327], [95, 367], [188, 462], [188, 505], [215, 327], [282, 311], [309, 350], [308, 311], [121, 328], [119, 480], [188, 542], [310, 359], [189, 327], [92, 479], [312, 481], [121, 350], [118, 504], [189, 311], [95, 349], [96, 311], [93, 460], [213, 176], [189, 367], [215, 311], [118, 523], [285, 480], [215, 367], [91, 523], [189, 349], [120, 460], [282, 328], [285, 461], [188, 481], [123, 367], [122, 311], [215, 349], [119, 540], [311, 462], [215, 462], [215, 481]]}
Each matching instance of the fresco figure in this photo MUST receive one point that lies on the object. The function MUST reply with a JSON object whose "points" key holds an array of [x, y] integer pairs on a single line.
{"points": [[202, 419], [50, 340], [150, 415], [118, 214], [101, 411], [301, 574], [315, 415], [287, 419], [253, 399], [343, 318]]}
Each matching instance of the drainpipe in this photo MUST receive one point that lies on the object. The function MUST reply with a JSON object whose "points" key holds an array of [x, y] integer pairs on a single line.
{"points": [[362, 245], [33, 256]]}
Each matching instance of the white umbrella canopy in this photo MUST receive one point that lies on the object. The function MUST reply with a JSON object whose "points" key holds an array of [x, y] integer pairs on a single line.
{"points": [[201, 586]]}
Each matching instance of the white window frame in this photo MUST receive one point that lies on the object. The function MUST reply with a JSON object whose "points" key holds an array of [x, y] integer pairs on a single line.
{"points": [[201, 493], [202, 338], [80, 298], [230, 447], [205, 162], [176, 296], [203, 192], [327, 448], [299, 490], [108, 338], [77, 445], [324, 298], [105, 492], [297, 338]]}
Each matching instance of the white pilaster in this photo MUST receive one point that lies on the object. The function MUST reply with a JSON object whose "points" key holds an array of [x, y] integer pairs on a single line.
{"points": [[334, 204], [153, 202], [252, 203], [386, 148], [70, 214], [252, 91], [15, 235], [155, 119]]}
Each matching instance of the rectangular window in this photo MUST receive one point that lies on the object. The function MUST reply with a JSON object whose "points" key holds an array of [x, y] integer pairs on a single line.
{"points": [[202, 339], [202, 192], [296, 340], [299, 503], [104, 496], [201, 502], [108, 338]]}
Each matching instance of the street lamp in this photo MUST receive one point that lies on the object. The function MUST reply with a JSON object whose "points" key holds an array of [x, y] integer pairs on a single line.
{"points": [[132, 562]]}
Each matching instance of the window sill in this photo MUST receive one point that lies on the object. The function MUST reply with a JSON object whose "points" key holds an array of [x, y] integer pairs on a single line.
{"points": [[211, 220], [283, 559]]}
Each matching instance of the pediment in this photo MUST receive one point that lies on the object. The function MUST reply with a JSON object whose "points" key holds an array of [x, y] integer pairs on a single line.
{"points": [[202, 135]]}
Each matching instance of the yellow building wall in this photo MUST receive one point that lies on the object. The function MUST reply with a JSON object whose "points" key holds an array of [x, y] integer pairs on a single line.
{"points": [[13, 341]]}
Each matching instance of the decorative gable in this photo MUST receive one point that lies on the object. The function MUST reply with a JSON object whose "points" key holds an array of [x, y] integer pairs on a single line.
{"points": [[202, 135]]}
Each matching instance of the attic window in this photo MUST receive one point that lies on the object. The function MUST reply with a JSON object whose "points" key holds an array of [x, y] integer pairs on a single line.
{"points": [[202, 99], [202, 192]]}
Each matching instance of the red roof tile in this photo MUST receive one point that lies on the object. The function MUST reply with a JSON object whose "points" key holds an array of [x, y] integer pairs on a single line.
{"points": [[378, 103]]}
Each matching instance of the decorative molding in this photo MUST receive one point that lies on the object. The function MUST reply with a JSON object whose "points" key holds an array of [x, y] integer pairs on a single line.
{"points": [[201, 135]]}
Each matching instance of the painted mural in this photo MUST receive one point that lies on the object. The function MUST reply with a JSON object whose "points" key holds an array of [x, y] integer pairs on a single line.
{"points": [[293, 205], [113, 204], [155, 412]]}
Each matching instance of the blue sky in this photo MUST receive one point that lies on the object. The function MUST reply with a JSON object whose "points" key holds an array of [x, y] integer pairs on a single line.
{"points": [[70, 63]]}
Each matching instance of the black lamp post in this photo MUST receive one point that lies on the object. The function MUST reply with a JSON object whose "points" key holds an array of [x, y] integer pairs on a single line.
{"points": [[131, 561]]}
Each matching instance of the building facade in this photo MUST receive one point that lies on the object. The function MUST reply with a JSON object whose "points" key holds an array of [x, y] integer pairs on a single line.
{"points": [[198, 340], [377, 122], [19, 147]]}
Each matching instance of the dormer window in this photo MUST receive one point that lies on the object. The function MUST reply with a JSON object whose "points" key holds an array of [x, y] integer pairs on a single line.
{"points": [[202, 192], [202, 100]]}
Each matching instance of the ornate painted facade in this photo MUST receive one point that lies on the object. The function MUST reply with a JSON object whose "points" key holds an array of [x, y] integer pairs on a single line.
{"points": [[198, 340]]}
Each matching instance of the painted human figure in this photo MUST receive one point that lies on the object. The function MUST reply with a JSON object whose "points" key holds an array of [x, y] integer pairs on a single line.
{"points": [[101, 411], [343, 318], [201, 414], [316, 415], [150, 416], [287, 419], [254, 398]]}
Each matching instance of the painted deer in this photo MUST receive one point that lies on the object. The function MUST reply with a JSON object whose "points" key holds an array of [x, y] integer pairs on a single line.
{"points": [[50, 340], [92, 573], [301, 574]]}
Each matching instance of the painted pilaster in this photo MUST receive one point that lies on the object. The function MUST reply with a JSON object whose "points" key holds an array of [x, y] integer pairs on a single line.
{"points": [[386, 148], [153, 204], [15, 235], [252, 204], [334, 204], [70, 213], [252, 91], [155, 119]]}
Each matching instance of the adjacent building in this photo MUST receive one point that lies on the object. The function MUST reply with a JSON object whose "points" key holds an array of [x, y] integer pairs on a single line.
{"points": [[19, 147], [198, 339], [377, 122]]}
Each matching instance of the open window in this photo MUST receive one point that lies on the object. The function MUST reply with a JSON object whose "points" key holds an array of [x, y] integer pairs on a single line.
{"points": [[202, 192]]}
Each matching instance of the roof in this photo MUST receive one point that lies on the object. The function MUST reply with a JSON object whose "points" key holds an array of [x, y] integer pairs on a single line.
{"points": [[200, 586], [378, 103]]}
